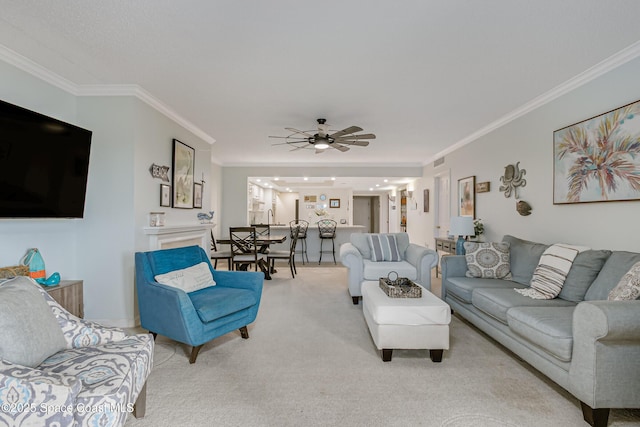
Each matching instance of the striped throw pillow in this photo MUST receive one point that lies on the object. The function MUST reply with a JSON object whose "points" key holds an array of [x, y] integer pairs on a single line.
{"points": [[384, 247], [552, 270]]}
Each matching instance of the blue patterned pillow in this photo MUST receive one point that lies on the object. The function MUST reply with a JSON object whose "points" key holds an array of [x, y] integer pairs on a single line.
{"points": [[488, 260], [384, 247]]}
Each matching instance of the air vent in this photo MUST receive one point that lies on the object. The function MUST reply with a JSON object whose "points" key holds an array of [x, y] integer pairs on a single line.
{"points": [[438, 162]]}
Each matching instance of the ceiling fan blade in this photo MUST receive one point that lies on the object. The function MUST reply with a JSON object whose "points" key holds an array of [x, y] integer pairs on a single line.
{"points": [[339, 147], [298, 131], [302, 147], [318, 151], [347, 131], [362, 136], [357, 143]]}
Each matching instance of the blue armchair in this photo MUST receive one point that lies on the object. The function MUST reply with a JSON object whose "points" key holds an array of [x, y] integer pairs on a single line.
{"points": [[194, 318]]}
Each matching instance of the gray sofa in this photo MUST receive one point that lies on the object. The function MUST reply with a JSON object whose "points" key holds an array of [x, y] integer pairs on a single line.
{"points": [[586, 344], [416, 262]]}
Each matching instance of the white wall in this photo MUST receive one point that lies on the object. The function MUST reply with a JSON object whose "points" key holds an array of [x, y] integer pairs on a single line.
{"points": [[56, 239], [128, 136], [612, 225], [234, 181]]}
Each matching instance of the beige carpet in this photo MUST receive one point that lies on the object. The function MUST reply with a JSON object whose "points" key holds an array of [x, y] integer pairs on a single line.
{"points": [[310, 361]]}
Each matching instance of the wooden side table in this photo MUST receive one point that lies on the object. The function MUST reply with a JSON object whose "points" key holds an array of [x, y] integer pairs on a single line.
{"points": [[447, 246], [69, 295]]}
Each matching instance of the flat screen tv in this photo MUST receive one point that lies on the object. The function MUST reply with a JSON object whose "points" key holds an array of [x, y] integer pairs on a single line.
{"points": [[44, 165]]}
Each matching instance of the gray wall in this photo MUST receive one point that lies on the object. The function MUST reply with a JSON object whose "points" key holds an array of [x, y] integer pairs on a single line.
{"points": [[128, 136], [529, 139]]}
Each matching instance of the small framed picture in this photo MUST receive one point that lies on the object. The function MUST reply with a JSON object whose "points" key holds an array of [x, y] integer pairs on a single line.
{"points": [[334, 203], [165, 195], [467, 196], [197, 195]]}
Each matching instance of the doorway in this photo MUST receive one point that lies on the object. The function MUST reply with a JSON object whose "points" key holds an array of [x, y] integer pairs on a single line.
{"points": [[442, 198], [366, 211]]}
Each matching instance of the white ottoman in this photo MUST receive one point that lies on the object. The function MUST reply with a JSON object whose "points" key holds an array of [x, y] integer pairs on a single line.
{"points": [[406, 323]]}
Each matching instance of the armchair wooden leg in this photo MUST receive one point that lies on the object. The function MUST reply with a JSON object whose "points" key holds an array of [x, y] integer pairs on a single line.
{"points": [[595, 417], [140, 407], [155, 335], [355, 300], [194, 353], [244, 333]]}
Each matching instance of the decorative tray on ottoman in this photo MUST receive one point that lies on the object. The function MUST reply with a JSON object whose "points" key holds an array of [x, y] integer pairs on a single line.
{"points": [[400, 287]]}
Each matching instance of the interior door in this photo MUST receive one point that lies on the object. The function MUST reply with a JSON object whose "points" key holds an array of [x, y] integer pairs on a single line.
{"points": [[442, 186], [362, 212]]}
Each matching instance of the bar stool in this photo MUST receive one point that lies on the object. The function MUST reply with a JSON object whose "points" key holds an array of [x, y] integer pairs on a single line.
{"points": [[302, 227], [327, 230]]}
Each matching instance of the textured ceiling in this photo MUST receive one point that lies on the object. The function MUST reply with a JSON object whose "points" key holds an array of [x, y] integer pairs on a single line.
{"points": [[422, 75]]}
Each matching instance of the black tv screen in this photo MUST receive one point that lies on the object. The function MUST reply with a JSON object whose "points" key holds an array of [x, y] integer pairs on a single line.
{"points": [[44, 165]]}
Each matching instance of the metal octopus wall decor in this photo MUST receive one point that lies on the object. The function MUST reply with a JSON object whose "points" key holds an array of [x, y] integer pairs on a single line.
{"points": [[512, 179]]}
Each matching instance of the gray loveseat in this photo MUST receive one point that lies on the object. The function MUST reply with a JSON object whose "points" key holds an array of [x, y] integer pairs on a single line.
{"points": [[586, 344], [415, 262]]}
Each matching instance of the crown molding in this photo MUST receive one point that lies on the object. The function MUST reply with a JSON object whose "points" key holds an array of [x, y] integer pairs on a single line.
{"points": [[25, 64], [146, 97], [614, 61]]}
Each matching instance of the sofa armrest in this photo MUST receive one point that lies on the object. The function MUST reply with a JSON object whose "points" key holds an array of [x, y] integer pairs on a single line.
{"points": [[423, 259], [37, 397], [451, 266], [351, 258], [606, 348], [80, 332]]}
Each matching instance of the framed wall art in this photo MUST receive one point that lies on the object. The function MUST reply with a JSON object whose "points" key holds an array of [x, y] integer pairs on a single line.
{"points": [[197, 195], [467, 196], [165, 195], [598, 159], [183, 165], [425, 200], [334, 203]]}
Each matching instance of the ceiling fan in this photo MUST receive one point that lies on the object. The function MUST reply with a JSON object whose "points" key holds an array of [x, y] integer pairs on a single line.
{"points": [[323, 139]]}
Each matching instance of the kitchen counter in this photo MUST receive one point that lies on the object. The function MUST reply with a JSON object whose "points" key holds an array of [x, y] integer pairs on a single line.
{"points": [[343, 234]]}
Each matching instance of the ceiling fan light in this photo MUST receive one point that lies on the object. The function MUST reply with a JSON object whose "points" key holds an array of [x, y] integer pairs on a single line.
{"points": [[321, 145]]}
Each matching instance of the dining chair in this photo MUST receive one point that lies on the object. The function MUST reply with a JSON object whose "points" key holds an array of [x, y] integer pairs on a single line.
{"points": [[217, 255], [327, 230], [302, 227], [244, 249], [288, 255], [262, 230]]}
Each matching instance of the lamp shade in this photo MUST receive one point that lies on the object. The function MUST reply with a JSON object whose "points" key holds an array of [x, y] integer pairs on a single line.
{"points": [[461, 226]]}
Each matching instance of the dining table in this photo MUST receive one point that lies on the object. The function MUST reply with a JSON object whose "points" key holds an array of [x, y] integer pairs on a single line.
{"points": [[263, 242]]}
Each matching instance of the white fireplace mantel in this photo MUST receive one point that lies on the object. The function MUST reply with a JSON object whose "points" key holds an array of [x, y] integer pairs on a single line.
{"points": [[175, 236]]}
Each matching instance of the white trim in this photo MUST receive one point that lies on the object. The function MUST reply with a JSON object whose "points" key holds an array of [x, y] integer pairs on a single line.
{"points": [[37, 70], [625, 55], [146, 97], [25, 64]]}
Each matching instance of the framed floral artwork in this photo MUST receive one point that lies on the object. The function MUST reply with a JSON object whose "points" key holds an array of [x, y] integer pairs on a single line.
{"points": [[467, 196], [598, 159], [165, 195], [183, 165], [197, 195]]}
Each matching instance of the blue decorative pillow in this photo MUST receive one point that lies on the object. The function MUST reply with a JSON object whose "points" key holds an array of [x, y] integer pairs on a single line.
{"points": [[384, 247], [488, 260]]}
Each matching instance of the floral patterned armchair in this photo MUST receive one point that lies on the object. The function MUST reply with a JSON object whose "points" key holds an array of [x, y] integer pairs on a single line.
{"points": [[97, 380]]}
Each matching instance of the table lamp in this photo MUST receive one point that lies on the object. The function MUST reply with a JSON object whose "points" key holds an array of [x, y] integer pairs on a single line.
{"points": [[461, 226]]}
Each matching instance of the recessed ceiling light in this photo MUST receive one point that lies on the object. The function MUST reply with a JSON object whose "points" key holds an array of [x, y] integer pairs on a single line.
{"points": [[377, 185], [386, 180], [306, 179], [333, 178], [276, 178], [258, 180], [371, 189]]}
